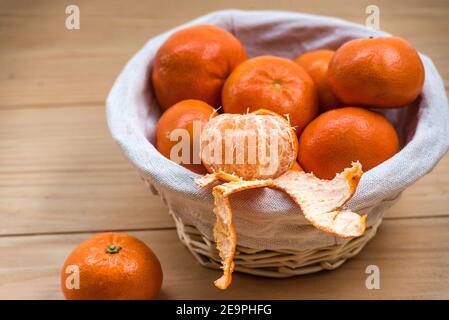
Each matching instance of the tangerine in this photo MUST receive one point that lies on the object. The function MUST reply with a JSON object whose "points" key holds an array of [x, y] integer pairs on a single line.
{"points": [[379, 72], [113, 266], [194, 63], [316, 64], [272, 83], [338, 137], [183, 115]]}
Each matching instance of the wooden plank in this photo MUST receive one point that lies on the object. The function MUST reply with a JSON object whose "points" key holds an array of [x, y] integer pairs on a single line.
{"points": [[44, 63], [411, 254], [60, 171]]}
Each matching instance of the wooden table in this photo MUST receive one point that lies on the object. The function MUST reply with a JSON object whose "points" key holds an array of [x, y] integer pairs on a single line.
{"points": [[62, 178]]}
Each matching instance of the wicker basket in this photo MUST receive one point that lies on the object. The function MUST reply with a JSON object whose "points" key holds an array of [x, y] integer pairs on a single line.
{"points": [[272, 263], [268, 263], [299, 248]]}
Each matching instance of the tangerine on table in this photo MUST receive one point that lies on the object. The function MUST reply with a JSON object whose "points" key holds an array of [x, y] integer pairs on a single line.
{"points": [[316, 64], [113, 266], [340, 136], [272, 83], [182, 116], [194, 63], [379, 72]]}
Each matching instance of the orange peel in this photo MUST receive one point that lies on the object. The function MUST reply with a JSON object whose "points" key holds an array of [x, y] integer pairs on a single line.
{"points": [[320, 202], [210, 178], [224, 232]]}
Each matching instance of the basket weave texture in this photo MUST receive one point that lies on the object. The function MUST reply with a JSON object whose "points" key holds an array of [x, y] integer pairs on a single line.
{"points": [[273, 263], [268, 263]]}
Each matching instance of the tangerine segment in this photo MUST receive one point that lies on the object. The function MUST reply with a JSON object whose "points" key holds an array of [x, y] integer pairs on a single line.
{"points": [[224, 232], [297, 167], [251, 146], [320, 200]]}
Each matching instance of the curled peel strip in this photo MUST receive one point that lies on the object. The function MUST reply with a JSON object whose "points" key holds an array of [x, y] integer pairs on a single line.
{"points": [[225, 238], [319, 200], [210, 178], [224, 233]]}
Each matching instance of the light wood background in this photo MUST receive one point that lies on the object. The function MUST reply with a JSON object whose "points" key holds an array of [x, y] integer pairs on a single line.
{"points": [[62, 178]]}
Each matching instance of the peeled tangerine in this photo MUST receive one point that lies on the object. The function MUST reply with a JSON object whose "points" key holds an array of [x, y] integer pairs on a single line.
{"points": [[258, 150]]}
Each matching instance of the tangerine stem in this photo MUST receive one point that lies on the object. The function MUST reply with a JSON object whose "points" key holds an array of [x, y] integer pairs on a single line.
{"points": [[112, 249], [277, 84]]}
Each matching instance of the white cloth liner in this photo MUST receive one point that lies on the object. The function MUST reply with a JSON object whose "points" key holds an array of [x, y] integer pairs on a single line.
{"points": [[267, 219]]}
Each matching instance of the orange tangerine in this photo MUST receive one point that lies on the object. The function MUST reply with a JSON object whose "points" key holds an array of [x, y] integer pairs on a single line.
{"points": [[256, 145]]}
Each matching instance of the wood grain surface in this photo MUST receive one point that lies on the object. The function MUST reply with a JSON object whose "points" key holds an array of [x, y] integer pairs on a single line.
{"points": [[63, 178]]}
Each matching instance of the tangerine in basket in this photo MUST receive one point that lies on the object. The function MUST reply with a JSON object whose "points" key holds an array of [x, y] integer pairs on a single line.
{"points": [[340, 136], [316, 64], [111, 266], [237, 150], [194, 63], [272, 83], [258, 145], [379, 72], [183, 115]]}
